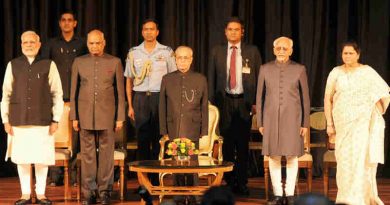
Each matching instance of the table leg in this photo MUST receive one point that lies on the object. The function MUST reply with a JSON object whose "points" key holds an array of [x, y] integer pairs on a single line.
{"points": [[218, 179]]}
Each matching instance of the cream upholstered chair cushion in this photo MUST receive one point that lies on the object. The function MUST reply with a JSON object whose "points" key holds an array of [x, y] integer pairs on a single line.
{"points": [[62, 154], [329, 156], [206, 143], [119, 155], [305, 157]]}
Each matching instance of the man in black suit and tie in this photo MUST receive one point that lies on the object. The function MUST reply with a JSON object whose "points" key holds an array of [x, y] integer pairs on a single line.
{"points": [[232, 78]]}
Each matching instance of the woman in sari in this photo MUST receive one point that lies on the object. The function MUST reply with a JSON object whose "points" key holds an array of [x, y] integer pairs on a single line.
{"points": [[356, 97]]}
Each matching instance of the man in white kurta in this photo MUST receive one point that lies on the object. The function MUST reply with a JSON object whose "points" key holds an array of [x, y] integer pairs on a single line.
{"points": [[31, 107]]}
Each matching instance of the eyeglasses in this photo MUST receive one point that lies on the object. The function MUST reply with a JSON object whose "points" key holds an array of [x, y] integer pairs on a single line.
{"points": [[279, 48]]}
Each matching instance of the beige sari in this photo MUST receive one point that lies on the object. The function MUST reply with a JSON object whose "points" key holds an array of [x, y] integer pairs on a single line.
{"points": [[359, 132]]}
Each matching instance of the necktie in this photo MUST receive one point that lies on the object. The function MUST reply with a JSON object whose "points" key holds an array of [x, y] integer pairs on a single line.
{"points": [[232, 71]]}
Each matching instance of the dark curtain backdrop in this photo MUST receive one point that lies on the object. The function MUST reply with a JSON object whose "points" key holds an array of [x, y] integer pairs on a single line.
{"points": [[318, 27]]}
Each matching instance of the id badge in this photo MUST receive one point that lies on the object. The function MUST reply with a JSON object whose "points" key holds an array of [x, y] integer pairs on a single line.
{"points": [[246, 69]]}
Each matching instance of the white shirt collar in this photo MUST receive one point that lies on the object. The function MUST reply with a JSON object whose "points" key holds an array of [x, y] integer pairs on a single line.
{"points": [[238, 45], [30, 59]]}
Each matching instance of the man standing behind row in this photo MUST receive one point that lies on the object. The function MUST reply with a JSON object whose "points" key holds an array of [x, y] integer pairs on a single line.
{"points": [[63, 50], [232, 77], [97, 109], [146, 64]]}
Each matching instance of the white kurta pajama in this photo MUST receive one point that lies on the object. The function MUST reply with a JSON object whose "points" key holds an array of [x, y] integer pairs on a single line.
{"points": [[32, 144], [283, 107]]}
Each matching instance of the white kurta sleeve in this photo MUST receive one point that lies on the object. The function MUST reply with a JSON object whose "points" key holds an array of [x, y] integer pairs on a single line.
{"points": [[56, 92], [7, 91]]}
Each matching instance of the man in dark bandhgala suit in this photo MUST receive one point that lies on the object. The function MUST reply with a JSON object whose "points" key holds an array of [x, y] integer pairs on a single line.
{"points": [[232, 79]]}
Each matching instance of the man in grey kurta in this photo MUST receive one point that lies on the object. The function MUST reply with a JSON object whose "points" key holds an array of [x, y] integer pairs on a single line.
{"points": [[183, 109], [97, 109], [283, 107]]}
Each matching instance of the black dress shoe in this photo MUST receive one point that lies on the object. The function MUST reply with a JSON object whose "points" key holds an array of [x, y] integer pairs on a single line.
{"points": [[44, 201], [89, 200], [180, 202], [194, 200], [23, 202], [241, 190], [277, 200], [105, 198], [290, 200]]}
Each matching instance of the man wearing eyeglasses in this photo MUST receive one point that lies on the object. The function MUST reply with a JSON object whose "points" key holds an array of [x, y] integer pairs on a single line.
{"points": [[183, 110], [283, 107], [183, 107]]}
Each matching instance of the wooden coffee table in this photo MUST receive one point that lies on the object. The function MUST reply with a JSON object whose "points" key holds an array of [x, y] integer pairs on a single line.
{"points": [[202, 166]]}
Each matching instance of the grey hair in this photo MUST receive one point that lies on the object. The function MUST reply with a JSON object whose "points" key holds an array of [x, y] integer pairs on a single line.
{"points": [[30, 33], [184, 47], [289, 40]]}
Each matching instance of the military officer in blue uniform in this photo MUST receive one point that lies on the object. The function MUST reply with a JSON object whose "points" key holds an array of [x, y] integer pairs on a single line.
{"points": [[146, 64]]}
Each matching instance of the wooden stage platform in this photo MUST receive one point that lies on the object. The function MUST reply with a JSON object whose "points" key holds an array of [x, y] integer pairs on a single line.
{"points": [[10, 191]]}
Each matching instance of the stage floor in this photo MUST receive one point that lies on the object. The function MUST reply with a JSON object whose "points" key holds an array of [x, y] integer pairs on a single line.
{"points": [[10, 191]]}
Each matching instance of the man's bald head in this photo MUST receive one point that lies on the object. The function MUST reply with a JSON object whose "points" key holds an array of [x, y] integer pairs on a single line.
{"points": [[183, 58], [96, 42], [96, 32], [184, 49]]}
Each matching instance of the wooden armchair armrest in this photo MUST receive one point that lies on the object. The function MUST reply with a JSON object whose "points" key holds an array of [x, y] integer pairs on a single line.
{"points": [[163, 140], [331, 142], [330, 146], [220, 143]]}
